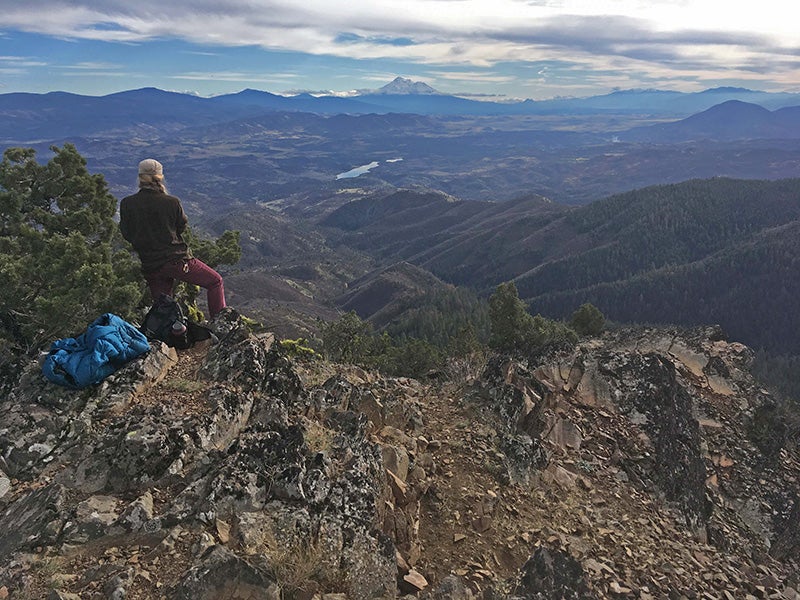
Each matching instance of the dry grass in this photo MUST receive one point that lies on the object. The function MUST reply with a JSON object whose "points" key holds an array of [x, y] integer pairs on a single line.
{"points": [[301, 571], [318, 437], [181, 384]]}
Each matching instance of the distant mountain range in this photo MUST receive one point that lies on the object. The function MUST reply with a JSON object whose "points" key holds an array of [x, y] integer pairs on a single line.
{"points": [[716, 248], [731, 120], [255, 146], [25, 116]]}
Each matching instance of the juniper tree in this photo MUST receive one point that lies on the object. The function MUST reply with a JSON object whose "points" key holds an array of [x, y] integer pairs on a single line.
{"points": [[588, 320], [516, 331], [61, 257], [510, 321]]}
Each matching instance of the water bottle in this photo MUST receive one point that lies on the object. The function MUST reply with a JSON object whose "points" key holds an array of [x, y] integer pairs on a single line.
{"points": [[178, 329], [177, 335]]}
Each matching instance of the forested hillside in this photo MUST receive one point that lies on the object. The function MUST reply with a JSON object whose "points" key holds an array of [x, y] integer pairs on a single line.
{"points": [[712, 251], [703, 251]]}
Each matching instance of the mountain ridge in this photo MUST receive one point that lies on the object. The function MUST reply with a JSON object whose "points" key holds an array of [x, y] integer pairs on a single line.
{"points": [[404, 95], [239, 470], [262, 147], [602, 253], [730, 120]]}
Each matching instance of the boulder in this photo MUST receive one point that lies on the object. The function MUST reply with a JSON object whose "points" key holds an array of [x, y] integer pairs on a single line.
{"points": [[33, 520], [222, 574], [552, 574]]}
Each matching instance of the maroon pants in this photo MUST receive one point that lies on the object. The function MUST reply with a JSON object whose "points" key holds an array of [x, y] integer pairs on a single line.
{"points": [[191, 271]]}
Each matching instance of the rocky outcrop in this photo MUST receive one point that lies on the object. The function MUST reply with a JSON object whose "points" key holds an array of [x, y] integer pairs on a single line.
{"points": [[671, 414], [645, 463], [552, 574], [252, 486]]}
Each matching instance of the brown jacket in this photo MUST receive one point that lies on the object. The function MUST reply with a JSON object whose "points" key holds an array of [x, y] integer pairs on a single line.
{"points": [[153, 223]]}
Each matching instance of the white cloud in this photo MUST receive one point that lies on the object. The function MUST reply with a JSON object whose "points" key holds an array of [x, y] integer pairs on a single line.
{"points": [[671, 40], [472, 76], [19, 62], [237, 77], [92, 66], [89, 73]]}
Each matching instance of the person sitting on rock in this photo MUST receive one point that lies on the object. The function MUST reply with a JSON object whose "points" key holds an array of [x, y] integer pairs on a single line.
{"points": [[152, 221]]}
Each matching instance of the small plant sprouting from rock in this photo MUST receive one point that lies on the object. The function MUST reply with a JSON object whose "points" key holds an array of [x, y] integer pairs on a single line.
{"points": [[318, 438], [184, 385], [298, 349], [302, 571]]}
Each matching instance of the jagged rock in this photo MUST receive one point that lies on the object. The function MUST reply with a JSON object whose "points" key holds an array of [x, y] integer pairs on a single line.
{"points": [[113, 393], [59, 595], [43, 421], [254, 364], [559, 475], [565, 435], [336, 393], [228, 327], [371, 406], [768, 430], [413, 582], [523, 456], [396, 437], [369, 559], [5, 485], [117, 391], [222, 574], [34, 388], [451, 587], [648, 383], [269, 411], [552, 574], [133, 452], [33, 520], [787, 542], [396, 460], [229, 415], [387, 403], [92, 519], [660, 412], [260, 531], [601, 436], [399, 489], [145, 446], [517, 399], [137, 513], [115, 588]]}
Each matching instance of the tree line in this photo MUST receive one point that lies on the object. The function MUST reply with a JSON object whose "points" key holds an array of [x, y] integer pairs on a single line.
{"points": [[512, 331]]}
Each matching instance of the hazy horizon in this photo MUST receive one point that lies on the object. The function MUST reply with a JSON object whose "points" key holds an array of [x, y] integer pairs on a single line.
{"points": [[513, 49]]}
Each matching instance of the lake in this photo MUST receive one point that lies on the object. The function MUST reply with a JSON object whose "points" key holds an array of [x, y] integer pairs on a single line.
{"points": [[364, 169]]}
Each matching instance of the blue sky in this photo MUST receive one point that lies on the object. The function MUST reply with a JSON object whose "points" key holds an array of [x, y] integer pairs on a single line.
{"points": [[517, 48]]}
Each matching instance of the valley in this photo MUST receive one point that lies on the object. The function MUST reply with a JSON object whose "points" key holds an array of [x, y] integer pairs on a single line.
{"points": [[535, 193], [257, 147], [641, 459]]}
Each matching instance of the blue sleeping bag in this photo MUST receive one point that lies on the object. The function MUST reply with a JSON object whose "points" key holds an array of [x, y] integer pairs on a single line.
{"points": [[104, 347]]}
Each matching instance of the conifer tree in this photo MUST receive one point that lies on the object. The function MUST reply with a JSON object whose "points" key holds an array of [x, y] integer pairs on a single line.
{"points": [[348, 339], [515, 331], [61, 256], [509, 318], [588, 320]]}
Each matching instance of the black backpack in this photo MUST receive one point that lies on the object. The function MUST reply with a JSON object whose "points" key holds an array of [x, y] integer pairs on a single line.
{"points": [[166, 321]]}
